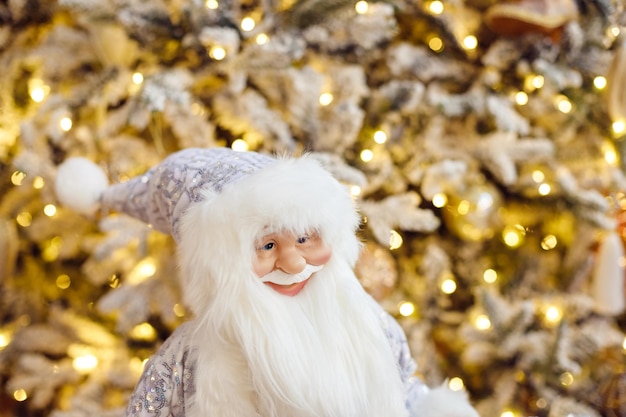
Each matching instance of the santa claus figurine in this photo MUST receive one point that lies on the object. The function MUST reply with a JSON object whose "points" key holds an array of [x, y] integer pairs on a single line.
{"points": [[281, 327]]}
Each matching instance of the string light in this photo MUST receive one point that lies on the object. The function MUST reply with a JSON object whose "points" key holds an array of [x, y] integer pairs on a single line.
{"points": [[5, 339], [143, 331], [38, 183], [325, 99], [20, 395], [65, 124], [440, 200], [609, 152], [262, 39], [24, 219], [470, 42], [544, 189], [211, 4], [482, 322], [380, 137], [247, 24], [552, 315], [37, 90], [217, 53], [513, 236], [142, 271], [51, 249], [17, 177], [490, 276], [456, 384], [395, 240], [361, 7], [448, 286], [566, 379], [435, 43], [355, 190], [549, 242], [63, 281], [240, 145], [618, 127], [85, 363], [521, 98], [366, 155], [563, 104], [436, 7], [137, 78], [406, 308], [178, 310], [50, 210], [600, 82]]}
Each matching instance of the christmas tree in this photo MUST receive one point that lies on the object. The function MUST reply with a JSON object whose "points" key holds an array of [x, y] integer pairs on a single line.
{"points": [[482, 141]]}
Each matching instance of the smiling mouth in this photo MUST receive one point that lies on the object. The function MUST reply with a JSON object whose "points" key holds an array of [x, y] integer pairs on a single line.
{"points": [[288, 290]]}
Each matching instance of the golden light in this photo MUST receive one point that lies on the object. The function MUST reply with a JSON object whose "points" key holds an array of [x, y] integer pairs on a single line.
{"points": [[537, 81], [217, 53], [325, 99], [470, 42], [490, 276], [114, 281], [65, 124], [262, 39], [361, 7], [618, 127], [17, 178], [624, 343], [50, 210], [436, 7], [84, 364], [456, 384], [355, 190], [563, 104], [614, 30], [507, 413], [142, 271], [482, 322], [51, 250], [20, 395], [24, 219], [63, 281], [521, 98], [463, 207], [211, 4], [549, 242], [366, 155], [143, 331], [247, 24], [610, 154], [37, 90], [179, 310], [435, 43], [538, 176], [440, 200], [5, 339], [544, 189], [406, 308], [395, 240], [240, 145], [513, 236], [553, 315], [38, 183], [448, 286], [137, 78], [600, 82], [380, 137], [566, 379]]}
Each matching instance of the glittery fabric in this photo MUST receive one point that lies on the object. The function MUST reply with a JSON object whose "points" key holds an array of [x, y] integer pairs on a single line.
{"points": [[161, 195], [166, 387]]}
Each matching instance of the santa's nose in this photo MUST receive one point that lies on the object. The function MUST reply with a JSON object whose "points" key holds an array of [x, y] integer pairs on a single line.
{"points": [[290, 260]]}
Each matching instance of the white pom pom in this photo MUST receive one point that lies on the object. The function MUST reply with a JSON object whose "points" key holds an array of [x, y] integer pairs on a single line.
{"points": [[79, 184]]}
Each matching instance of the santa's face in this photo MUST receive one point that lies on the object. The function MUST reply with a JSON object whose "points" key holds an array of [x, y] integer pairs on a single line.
{"points": [[285, 261]]}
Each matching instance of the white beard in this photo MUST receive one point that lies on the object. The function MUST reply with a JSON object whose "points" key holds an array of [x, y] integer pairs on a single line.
{"points": [[321, 353]]}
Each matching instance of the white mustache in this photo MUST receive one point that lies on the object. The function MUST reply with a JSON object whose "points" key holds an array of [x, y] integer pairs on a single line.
{"points": [[281, 278]]}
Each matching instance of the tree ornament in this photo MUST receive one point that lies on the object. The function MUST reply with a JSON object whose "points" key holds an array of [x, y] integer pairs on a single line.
{"points": [[376, 270], [531, 16], [472, 213], [607, 286], [613, 391]]}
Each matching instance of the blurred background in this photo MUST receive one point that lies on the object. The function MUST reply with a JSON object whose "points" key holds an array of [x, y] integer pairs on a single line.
{"points": [[483, 141]]}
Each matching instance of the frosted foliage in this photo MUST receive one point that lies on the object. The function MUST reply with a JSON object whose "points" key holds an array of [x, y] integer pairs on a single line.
{"points": [[506, 118], [377, 25], [567, 407], [399, 211], [164, 87], [443, 176], [249, 115], [340, 169], [226, 38]]}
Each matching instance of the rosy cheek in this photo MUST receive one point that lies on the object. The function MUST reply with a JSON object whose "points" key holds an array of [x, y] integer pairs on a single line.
{"points": [[320, 256]]}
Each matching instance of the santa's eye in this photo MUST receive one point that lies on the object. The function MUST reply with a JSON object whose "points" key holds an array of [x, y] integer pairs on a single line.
{"points": [[302, 239], [268, 246]]}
